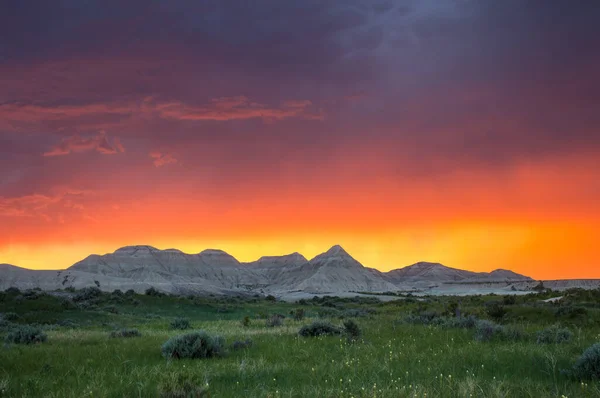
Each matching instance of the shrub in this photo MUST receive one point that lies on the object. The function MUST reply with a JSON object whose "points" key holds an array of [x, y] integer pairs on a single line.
{"points": [[13, 291], [193, 345], [496, 311], [274, 320], [87, 293], [125, 333], [270, 297], [424, 318], [246, 321], [10, 316], [328, 313], [571, 312], [487, 330], [554, 335], [463, 322], [152, 291], [357, 312], [32, 294], [319, 328], [453, 309], [352, 330], [67, 323], [5, 325], [68, 304], [112, 309], [130, 292], [241, 345], [181, 385], [512, 334], [180, 324], [298, 314], [588, 365], [26, 334]]}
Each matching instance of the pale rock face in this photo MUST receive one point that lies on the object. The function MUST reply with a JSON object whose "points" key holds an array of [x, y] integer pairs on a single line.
{"points": [[213, 271]]}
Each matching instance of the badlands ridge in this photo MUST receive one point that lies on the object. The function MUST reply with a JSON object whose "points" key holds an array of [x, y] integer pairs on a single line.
{"points": [[292, 276]]}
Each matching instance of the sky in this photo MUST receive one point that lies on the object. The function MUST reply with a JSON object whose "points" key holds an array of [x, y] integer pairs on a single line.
{"points": [[465, 132]]}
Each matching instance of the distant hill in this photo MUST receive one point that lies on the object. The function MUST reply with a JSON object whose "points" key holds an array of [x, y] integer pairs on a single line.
{"points": [[216, 272]]}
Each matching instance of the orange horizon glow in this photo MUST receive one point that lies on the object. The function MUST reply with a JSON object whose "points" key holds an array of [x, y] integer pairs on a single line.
{"points": [[465, 221]]}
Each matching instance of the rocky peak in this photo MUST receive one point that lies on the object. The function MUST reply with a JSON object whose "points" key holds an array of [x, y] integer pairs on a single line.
{"points": [[336, 251], [136, 249]]}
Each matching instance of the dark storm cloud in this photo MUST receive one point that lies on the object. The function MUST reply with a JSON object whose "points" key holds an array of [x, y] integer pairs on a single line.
{"points": [[449, 84], [264, 37]]}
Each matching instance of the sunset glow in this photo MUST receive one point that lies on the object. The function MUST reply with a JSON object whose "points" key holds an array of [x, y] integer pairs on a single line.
{"points": [[402, 134]]}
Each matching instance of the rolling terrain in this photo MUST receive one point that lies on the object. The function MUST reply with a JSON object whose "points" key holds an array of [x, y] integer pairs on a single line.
{"points": [[211, 271]]}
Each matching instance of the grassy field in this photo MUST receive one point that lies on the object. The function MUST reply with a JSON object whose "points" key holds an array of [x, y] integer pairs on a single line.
{"points": [[408, 348]]}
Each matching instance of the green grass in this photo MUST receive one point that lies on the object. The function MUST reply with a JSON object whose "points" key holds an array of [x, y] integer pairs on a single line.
{"points": [[391, 359]]}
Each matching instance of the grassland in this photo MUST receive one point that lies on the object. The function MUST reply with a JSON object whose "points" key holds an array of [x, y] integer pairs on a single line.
{"points": [[398, 354]]}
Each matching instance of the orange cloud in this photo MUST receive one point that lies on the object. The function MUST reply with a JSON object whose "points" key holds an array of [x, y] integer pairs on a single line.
{"points": [[42, 205], [100, 143], [14, 116], [162, 159], [237, 108]]}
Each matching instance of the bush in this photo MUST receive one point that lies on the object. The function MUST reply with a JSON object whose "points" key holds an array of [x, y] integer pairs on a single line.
{"points": [[298, 314], [571, 312], [180, 324], [241, 345], [26, 334], [352, 330], [512, 334], [112, 309], [11, 316], [319, 328], [357, 312], [246, 321], [152, 291], [68, 304], [181, 385], [193, 345], [496, 311], [13, 291], [32, 294], [274, 320], [67, 323], [463, 322], [87, 293], [328, 313], [270, 297], [5, 325], [487, 330], [588, 365], [453, 309], [125, 333], [554, 335], [424, 318]]}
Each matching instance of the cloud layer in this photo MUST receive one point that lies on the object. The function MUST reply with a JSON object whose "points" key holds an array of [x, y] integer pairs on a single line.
{"points": [[407, 108], [99, 143]]}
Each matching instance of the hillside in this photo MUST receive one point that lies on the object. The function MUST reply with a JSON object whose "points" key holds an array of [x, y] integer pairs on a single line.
{"points": [[216, 272]]}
